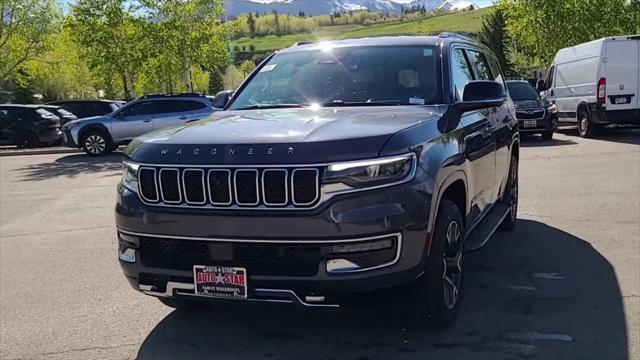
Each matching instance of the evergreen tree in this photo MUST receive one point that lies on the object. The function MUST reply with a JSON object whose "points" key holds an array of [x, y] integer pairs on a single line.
{"points": [[251, 22], [493, 34]]}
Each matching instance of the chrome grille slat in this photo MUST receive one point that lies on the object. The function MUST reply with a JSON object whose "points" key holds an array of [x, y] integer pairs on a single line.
{"points": [[238, 187]]}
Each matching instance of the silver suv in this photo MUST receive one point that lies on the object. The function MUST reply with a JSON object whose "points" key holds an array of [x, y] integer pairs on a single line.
{"points": [[99, 135]]}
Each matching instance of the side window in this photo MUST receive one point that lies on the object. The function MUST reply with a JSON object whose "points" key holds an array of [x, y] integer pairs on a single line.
{"points": [[480, 65], [495, 70], [169, 106], [460, 72], [548, 82], [141, 108]]}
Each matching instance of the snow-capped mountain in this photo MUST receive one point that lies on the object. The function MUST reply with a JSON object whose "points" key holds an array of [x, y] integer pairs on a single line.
{"points": [[317, 7]]}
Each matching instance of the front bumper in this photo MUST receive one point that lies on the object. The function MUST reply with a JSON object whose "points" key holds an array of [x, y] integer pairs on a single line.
{"points": [[67, 139], [548, 123], [401, 211]]}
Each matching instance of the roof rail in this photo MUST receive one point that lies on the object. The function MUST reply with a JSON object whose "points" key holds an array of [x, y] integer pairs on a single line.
{"points": [[192, 94], [455, 35], [299, 43]]}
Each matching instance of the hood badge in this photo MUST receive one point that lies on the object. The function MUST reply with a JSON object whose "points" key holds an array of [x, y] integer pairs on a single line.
{"points": [[251, 151]]}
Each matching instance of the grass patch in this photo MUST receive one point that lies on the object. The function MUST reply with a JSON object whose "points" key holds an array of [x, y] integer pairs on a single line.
{"points": [[466, 22]]}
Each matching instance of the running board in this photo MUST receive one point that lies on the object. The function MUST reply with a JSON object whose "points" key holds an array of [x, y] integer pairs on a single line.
{"points": [[487, 226]]}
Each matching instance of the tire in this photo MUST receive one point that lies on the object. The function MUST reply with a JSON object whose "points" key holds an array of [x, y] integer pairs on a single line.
{"points": [[27, 140], [96, 143], [182, 303], [586, 127], [510, 196], [437, 294], [547, 135]]}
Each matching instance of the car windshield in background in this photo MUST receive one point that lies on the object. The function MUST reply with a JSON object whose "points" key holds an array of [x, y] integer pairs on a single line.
{"points": [[352, 76], [522, 91]]}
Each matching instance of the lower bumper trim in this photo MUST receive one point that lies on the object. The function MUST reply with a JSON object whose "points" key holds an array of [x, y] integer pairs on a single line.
{"points": [[282, 296]]}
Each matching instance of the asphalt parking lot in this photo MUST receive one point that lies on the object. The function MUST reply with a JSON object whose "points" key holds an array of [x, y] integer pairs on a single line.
{"points": [[565, 284]]}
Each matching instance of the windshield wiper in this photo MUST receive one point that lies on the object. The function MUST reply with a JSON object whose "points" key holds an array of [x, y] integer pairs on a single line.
{"points": [[269, 106]]}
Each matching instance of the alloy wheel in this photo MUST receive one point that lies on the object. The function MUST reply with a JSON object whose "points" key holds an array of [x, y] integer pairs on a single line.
{"points": [[95, 144], [452, 269]]}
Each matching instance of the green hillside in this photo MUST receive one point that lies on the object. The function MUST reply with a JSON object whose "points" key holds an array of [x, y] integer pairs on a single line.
{"points": [[465, 22]]}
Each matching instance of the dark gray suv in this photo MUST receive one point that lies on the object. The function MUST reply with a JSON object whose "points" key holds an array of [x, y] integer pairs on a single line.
{"points": [[99, 135], [337, 169]]}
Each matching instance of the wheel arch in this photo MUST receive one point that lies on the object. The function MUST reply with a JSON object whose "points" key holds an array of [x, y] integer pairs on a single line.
{"points": [[454, 187], [94, 127]]}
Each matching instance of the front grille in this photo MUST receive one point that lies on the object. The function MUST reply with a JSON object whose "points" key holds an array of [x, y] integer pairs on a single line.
{"points": [[529, 114], [258, 259], [229, 188]]}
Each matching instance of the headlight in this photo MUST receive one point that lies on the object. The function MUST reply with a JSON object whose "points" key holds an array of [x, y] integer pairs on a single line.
{"points": [[552, 109], [130, 176], [371, 173]]}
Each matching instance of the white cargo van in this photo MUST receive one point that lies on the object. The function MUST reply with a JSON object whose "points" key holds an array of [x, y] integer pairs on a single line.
{"points": [[596, 83]]}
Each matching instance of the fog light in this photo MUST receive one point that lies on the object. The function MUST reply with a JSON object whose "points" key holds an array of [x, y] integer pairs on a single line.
{"points": [[126, 253], [363, 246]]}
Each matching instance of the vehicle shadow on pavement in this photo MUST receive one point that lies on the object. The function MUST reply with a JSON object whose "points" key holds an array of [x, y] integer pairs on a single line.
{"points": [[536, 141], [537, 292], [71, 166]]}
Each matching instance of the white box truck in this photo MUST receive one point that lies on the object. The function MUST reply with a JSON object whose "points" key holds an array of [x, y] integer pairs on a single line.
{"points": [[596, 83]]}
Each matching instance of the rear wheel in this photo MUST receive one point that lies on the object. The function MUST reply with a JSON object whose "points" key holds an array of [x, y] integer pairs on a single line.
{"points": [[586, 127], [96, 143], [26, 140], [438, 292], [547, 135]]}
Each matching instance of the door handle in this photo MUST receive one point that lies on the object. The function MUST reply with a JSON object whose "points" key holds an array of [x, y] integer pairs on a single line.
{"points": [[551, 92], [147, 120], [183, 117]]}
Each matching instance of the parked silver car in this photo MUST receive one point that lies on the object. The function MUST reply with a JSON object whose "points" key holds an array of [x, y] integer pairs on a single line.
{"points": [[101, 134]]}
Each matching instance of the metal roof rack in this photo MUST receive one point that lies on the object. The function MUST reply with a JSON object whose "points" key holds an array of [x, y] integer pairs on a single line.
{"points": [[299, 43], [455, 35], [151, 96]]}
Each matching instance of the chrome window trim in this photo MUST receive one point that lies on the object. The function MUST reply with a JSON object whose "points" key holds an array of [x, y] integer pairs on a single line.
{"points": [[184, 188], [155, 183], [286, 187], [228, 183], [235, 187], [263, 241], [293, 187], [179, 186]]}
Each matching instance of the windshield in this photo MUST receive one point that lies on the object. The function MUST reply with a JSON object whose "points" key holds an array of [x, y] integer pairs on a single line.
{"points": [[522, 91], [391, 75]]}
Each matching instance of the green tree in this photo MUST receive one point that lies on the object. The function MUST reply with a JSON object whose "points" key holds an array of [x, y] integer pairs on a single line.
{"points": [[493, 33], [113, 40], [541, 27], [216, 80], [252, 25], [24, 25]]}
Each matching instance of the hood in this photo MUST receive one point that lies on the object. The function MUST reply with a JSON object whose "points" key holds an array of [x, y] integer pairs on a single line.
{"points": [[85, 121], [529, 103], [298, 135]]}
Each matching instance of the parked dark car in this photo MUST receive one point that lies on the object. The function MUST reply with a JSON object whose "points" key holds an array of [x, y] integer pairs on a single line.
{"points": [[535, 115], [28, 126], [64, 115], [337, 169], [88, 108]]}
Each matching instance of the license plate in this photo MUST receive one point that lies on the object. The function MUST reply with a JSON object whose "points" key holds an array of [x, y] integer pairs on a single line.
{"points": [[530, 123], [621, 100], [220, 281]]}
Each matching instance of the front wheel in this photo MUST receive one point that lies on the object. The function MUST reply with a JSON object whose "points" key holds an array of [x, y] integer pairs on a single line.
{"points": [[439, 291], [547, 135], [27, 140], [96, 143], [510, 196]]}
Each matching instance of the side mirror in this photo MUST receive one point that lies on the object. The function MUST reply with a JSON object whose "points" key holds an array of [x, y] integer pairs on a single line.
{"points": [[540, 85], [482, 94], [222, 98], [119, 115]]}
